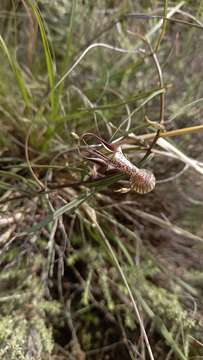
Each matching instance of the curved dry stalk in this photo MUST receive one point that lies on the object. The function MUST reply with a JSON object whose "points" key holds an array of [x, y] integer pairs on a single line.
{"points": [[174, 150], [92, 46], [39, 182], [174, 177]]}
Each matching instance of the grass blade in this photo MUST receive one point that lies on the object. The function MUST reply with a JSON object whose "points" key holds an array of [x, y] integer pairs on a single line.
{"points": [[48, 57], [17, 72]]}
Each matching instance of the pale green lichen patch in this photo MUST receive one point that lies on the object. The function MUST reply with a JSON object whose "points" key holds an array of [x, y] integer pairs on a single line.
{"points": [[23, 339], [24, 331]]}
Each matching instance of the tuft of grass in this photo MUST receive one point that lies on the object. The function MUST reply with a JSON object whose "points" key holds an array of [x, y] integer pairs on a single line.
{"points": [[119, 275]]}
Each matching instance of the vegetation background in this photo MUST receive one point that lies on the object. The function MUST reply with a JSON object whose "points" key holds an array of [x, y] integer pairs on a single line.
{"points": [[88, 272]]}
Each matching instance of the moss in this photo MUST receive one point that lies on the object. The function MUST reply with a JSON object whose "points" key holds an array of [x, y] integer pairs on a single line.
{"points": [[23, 339], [106, 291], [52, 308], [167, 305], [43, 333], [24, 334]]}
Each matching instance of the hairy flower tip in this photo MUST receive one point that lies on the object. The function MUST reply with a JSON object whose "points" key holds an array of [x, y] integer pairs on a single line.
{"points": [[143, 181]]}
